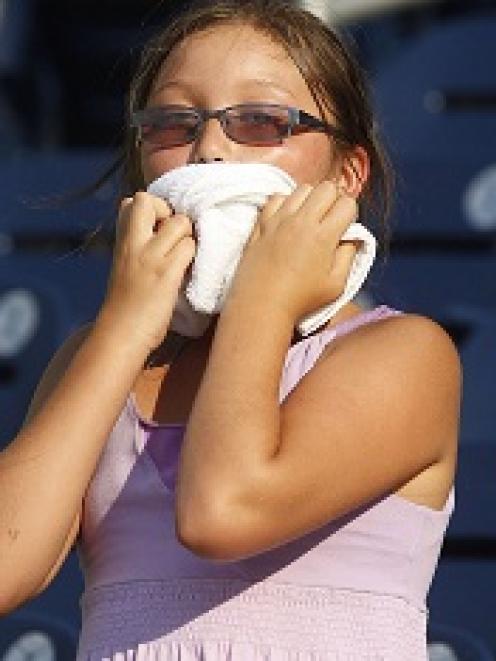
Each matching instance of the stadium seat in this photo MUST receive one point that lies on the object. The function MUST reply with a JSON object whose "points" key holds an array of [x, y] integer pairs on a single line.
{"points": [[449, 201], [437, 96], [80, 276], [478, 355], [35, 318], [42, 301], [462, 594], [36, 636], [37, 188], [47, 304], [437, 100], [52, 277], [444, 231], [464, 585], [473, 518], [436, 282], [447, 643], [462, 598]]}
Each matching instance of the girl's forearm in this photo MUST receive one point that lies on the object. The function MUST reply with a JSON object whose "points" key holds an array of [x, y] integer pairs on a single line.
{"points": [[45, 470], [234, 427]]}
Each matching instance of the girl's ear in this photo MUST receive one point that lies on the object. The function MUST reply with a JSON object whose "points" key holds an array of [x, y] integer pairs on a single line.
{"points": [[355, 170]]}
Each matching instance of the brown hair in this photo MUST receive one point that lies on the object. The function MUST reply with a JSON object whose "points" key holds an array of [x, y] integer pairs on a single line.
{"points": [[330, 70]]}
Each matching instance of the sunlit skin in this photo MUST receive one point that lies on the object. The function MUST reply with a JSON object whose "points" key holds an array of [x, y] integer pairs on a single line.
{"points": [[250, 67], [219, 67], [229, 65], [235, 64]]}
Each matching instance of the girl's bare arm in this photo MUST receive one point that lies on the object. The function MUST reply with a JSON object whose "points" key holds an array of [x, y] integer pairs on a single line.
{"points": [[379, 410], [45, 470]]}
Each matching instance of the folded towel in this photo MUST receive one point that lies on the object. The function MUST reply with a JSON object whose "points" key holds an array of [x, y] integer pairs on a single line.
{"points": [[223, 201]]}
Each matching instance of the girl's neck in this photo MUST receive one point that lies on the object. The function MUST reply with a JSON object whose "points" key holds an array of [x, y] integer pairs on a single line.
{"points": [[177, 348]]}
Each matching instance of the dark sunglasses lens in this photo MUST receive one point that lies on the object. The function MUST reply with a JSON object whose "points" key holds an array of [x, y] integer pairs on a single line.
{"points": [[169, 129], [257, 126]]}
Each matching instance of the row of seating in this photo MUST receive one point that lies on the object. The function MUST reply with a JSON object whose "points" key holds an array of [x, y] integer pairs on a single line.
{"points": [[53, 274], [54, 263], [437, 106]]}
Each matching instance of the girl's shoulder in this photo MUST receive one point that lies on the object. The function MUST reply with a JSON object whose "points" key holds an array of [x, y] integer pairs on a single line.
{"points": [[403, 368], [380, 413], [396, 332]]}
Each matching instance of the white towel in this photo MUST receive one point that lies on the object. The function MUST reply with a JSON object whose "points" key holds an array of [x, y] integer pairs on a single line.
{"points": [[223, 201]]}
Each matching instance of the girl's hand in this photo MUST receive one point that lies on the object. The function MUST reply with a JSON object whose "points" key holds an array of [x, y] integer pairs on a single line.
{"points": [[294, 258], [153, 250]]}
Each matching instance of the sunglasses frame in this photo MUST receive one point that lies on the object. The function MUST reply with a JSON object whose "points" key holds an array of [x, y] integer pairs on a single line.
{"points": [[299, 121]]}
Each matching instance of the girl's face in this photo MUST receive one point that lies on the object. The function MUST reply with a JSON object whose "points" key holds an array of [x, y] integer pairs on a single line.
{"points": [[228, 65]]}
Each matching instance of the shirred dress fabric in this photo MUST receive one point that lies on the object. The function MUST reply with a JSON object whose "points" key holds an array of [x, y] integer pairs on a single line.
{"points": [[352, 590]]}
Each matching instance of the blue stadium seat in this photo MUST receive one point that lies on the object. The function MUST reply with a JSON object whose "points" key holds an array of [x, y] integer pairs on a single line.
{"points": [[80, 276], [437, 100], [444, 230], [35, 195], [35, 318], [50, 284], [462, 598], [473, 519], [464, 585], [59, 278], [437, 97], [478, 355], [436, 282], [36, 636], [447, 643], [42, 301], [446, 200]]}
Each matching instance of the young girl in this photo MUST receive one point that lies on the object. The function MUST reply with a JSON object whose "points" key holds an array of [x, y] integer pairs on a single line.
{"points": [[257, 495]]}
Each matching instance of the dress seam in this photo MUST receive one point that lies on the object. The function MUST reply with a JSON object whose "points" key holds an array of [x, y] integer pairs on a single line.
{"points": [[259, 590]]}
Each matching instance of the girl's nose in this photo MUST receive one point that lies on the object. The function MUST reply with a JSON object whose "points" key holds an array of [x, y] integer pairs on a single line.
{"points": [[212, 144]]}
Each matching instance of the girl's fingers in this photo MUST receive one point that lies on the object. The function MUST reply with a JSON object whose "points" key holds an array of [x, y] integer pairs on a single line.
{"points": [[143, 213], [123, 217], [280, 207], [318, 202], [307, 203], [175, 260], [293, 203], [343, 213], [271, 206], [170, 232], [267, 216]]}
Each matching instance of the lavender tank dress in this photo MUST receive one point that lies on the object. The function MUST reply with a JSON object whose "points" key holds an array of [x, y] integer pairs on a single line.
{"points": [[354, 589]]}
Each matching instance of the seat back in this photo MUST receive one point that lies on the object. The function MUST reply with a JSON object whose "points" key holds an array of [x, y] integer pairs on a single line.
{"points": [[52, 278], [35, 318], [448, 643], [438, 96], [36, 636]]}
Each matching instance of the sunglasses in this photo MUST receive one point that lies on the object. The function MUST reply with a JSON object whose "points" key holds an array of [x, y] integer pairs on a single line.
{"points": [[260, 124]]}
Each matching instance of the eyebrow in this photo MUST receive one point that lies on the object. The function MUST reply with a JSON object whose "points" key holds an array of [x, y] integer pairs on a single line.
{"points": [[261, 82], [270, 84]]}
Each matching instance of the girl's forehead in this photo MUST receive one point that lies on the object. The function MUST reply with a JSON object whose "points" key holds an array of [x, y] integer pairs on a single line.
{"points": [[228, 54]]}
